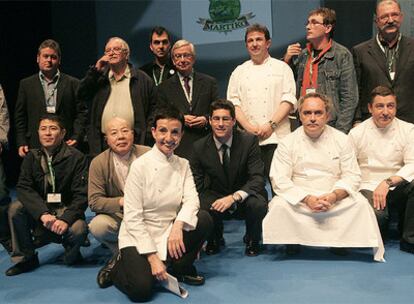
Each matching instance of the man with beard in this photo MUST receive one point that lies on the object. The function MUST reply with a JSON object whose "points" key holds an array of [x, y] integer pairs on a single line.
{"points": [[161, 68], [386, 60]]}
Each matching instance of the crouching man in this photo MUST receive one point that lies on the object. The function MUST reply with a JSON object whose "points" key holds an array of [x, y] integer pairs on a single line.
{"points": [[51, 194]]}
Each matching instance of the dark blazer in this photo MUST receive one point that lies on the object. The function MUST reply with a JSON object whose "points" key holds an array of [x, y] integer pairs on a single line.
{"points": [[205, 91], [30, 106], [246, 168], [370, 66], [95, 90]]}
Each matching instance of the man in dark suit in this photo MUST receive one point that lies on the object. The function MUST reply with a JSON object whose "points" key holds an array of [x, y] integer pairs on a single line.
{"points": [[386, 60], [161, 68], [228, 173], [114, 88], [191, 92], [49, 91]]}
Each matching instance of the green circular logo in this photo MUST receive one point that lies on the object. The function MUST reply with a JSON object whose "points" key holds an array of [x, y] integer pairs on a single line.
{"points": [[224, 10]]}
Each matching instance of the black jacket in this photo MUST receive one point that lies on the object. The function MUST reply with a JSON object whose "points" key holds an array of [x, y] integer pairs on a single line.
{"points": [[71, 171], [95, 89]]}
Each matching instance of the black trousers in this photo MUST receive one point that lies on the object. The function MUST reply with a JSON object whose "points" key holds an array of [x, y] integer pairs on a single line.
{"points": [[402, 199], [253, 209], [23, 226], [266, 153], [132, 272]]}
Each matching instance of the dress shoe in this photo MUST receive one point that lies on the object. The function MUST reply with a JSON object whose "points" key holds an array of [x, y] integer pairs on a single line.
{"points": [[72, 256], [340, 251], [252, 248], [213, 247], [292, 249], [407, 247], [25, 266], [86, 243], [104, 275], [195, 280]]}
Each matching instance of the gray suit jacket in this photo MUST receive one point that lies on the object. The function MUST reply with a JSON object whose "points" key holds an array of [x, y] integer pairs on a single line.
{"points": [[104, 187]]}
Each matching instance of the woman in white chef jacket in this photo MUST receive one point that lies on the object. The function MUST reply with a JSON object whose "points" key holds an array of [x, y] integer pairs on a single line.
{"points": [[162, 223]]}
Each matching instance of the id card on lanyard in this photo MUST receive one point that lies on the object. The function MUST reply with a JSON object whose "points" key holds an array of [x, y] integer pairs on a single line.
{"points": [[53, 198]]}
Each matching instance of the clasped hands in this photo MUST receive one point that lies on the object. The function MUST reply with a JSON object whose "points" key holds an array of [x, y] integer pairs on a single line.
{"points": [[53, 224], [321, 203], [195, 121], [263, 132]]}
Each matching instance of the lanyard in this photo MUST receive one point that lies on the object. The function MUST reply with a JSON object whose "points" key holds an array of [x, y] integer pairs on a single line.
{"points": [[52, 173], [49, 93], [157, 82]]}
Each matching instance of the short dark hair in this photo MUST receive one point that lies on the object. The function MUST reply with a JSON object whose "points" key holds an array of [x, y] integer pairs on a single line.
{"points": [[328, 15], [53, 117], [159, 30], [223, 104], [167, 112], [51, 44], [326, 100], [256, 27], [381, 91]]}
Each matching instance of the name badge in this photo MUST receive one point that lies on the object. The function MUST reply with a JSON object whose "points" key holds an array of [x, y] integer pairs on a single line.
{"points": [[54, 198], [310, 90], [50, 109], [392, 75]]}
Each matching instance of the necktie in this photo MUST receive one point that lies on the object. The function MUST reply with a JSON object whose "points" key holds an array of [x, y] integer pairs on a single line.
{"points": [[187, 85], [226, 158]]}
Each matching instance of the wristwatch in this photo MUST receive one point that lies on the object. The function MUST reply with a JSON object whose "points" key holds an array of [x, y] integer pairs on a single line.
{"points": [[236, 197], [273, 125], [389, 182]]}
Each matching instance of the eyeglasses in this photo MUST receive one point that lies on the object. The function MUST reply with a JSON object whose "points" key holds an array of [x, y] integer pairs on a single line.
{"points": [[116, 50], [226, 119], [183, 56], [387, 17], [313, 23]]}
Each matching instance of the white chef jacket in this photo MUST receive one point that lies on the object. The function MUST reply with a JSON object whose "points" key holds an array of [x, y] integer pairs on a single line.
{"points": [[260, 89], [302, 166], [158, 191], [383, 152]]}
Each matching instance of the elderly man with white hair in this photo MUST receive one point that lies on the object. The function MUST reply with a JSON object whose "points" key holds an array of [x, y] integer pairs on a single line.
{"points": [[112, 87], [107, 177], [191, 92], [315, 175]]}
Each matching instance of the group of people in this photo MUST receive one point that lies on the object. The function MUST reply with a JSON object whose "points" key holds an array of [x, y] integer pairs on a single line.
{"points": [[210, 157]]}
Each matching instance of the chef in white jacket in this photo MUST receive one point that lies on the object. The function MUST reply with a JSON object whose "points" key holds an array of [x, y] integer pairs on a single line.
{"points": [[162, 222], [384, 147], [316, 177]]}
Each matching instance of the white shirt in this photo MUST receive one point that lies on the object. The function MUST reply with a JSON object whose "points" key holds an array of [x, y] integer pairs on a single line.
{"points": [[384, 152], [302, 166], [158, 191], [259, 90]]}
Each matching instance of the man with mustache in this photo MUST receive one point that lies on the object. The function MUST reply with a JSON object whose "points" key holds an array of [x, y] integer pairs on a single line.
{"points": [[386, 60], [316, 178], [385, 152], [160, 44], [107, 177], [191, 92], [325, 66], [112, 87]]}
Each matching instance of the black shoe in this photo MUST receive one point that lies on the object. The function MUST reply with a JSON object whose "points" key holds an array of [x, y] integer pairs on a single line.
{"points": [[195, 280], [86, 243], [252, 248], [292, 249], [407, 247], [213, 247], [104, 275], [25, 266], [340, 251], [72, 256]]}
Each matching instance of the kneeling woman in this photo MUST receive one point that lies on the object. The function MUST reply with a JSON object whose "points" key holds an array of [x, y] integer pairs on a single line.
{"points": [[162, 222]]}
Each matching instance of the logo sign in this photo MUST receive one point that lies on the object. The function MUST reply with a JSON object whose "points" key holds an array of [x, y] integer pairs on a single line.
{"points": [[216, 21], [225, 16]]}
